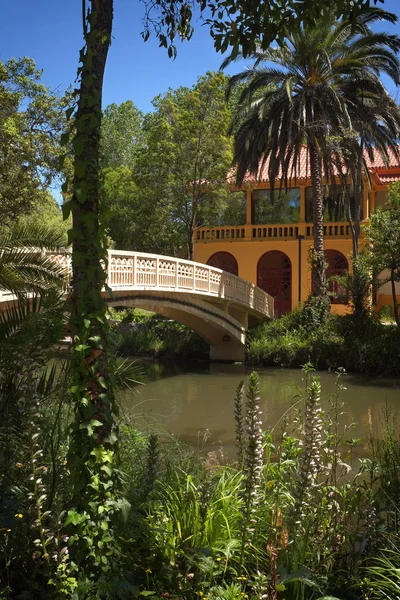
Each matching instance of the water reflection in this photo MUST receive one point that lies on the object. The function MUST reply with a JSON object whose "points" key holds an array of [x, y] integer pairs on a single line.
{"points": [[196, 399]]}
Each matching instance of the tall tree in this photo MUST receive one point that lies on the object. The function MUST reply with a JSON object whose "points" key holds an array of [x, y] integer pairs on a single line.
{"points": [[31, 122], [188, 153], [139, 219], [91, 453], [121, 135], [306, 91]]}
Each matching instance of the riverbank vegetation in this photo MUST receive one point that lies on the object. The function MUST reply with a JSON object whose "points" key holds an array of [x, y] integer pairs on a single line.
{"points": [[363, 345], [296, 516]]}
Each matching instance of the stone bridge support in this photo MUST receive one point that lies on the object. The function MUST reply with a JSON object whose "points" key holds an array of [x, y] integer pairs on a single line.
{"points": [[223, 331]]}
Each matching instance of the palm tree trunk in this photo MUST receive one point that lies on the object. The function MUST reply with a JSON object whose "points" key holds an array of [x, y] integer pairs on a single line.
{"points": [[395, 305], [318, 258]]}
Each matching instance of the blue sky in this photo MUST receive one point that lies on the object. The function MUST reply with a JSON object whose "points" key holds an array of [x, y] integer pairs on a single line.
{"points": [[50, 31]]}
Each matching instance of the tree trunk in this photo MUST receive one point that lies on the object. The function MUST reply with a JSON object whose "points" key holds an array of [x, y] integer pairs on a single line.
{"points": [[190, 245], [395, 305], [358, 191], [91, 452], [318, 258]]}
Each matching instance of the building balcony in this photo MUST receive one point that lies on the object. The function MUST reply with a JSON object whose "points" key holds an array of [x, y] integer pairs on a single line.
{"points": [[268, 232]]}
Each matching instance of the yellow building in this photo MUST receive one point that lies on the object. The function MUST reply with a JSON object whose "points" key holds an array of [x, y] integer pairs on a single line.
{"points": [[270, 246]]}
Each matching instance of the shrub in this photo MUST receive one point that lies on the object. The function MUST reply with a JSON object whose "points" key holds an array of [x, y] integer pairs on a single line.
{"points": [[358, 344]]}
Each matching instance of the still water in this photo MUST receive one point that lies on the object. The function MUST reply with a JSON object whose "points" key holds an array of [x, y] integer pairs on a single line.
{"points": [[196, 402]]}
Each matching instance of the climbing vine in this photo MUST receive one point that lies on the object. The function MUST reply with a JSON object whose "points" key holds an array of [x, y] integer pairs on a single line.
{"points": [[93, 438]]}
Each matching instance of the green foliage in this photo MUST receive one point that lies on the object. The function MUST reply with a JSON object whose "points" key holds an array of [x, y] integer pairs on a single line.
{"points": [[315, 313], [383, 576], [240, 24], [187, 155], [386, 313], [356, 287], [46, 213], [384, 235], [359, 345], [24, 268], [136, 220], [166, 173], [386, 452], [157, 336], [31, 121], [121, 135]]}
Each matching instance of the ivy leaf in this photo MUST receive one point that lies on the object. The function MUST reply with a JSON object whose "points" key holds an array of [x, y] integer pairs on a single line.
{"points": [[66, 209], [78, 146], [80, 168], [69, 112], [75, 518]]}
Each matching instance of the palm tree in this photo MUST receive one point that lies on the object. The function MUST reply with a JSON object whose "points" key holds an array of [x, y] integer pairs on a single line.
{"points": [[35, 319], [307, 91], [24, 266]]}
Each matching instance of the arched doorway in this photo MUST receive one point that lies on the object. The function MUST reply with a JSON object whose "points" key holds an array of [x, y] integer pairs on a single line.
{"points": [[337, 265], [274, 276], [225, 261]]}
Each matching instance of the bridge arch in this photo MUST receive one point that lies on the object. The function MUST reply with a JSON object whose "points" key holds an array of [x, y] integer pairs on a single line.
{"points": [[222, 331], [225, 261]]}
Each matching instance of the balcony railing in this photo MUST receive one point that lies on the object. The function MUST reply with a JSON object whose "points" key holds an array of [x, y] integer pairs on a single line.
{"points": [[241, 233]]}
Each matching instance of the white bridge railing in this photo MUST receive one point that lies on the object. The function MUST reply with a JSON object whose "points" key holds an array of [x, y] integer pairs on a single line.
{"points": [[143, 271]]}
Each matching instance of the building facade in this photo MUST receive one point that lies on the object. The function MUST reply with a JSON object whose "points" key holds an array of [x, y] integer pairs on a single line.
{"points": [[270, 245]]}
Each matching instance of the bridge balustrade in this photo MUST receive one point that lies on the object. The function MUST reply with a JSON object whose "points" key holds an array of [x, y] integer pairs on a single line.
{"points": [[139, 270]]}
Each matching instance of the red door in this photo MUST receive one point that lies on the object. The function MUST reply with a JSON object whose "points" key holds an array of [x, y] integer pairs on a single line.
{"points": [[274, 276], [337, 265]]}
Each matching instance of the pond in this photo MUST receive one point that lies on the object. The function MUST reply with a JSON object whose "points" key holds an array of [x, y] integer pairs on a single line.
{"points": [[196, 402]]}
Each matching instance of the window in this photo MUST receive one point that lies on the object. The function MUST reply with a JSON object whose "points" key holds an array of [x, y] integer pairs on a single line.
{"points": [[335, 210], [285, 207], [235, 210], [381, 198]]}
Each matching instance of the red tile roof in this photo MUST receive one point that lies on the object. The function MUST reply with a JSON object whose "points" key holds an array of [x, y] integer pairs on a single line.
{"points": [[386, 174], [386, 179]]}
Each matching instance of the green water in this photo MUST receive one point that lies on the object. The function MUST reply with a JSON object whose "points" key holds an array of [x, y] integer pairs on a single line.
{"points": [[196, 403]]}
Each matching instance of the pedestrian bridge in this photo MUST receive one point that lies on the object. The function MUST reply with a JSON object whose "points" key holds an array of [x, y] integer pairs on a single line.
{"points": [[215, 304]]}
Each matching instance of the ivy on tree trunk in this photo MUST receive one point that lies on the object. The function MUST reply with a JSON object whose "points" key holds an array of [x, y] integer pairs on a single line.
{"points": [[93, 436]]}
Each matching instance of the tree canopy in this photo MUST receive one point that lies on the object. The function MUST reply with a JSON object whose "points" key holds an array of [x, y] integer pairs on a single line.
{"points": [[188, 154], [242, 25], [176, 177], [121, 134], [31, 121]]}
